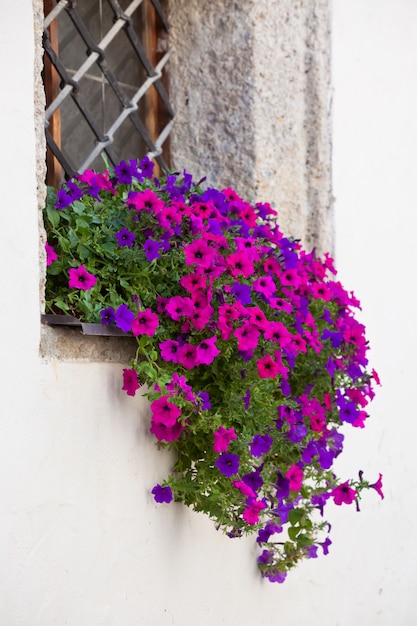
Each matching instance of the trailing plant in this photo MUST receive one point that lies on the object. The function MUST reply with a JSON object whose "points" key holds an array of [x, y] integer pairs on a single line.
{"points": [[247, 347]]}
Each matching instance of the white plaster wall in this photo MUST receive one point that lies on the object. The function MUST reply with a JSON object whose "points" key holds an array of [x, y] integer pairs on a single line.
{"points": [[374, 138], [81, 541]]}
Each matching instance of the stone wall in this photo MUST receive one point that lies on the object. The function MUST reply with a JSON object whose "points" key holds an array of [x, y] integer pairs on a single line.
{"points": [[250, 83]]}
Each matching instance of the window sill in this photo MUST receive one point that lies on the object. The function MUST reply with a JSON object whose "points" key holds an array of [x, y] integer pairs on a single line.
{"points": [[66, 338]]}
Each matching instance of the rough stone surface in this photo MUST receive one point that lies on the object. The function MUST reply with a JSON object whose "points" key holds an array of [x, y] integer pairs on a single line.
{"points": [[39, 113], [250, 82]]}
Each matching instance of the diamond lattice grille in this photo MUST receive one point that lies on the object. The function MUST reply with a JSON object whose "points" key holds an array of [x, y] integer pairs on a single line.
{"points": [[106, 84]]}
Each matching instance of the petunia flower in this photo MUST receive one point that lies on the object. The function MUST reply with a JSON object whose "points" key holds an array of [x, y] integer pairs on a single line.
{"points": [[228, 464], [108, 316], [295, 477], [125, 238], [222, 438], [207, 351], [130, 381], [378, 486], [343, 494], [267, 367], [169, 350], [124, 318], [81, 279], [251, 513], [199, 253], [145, 323], [260, 444], [165, 412], [162, 494], [51, 255]]}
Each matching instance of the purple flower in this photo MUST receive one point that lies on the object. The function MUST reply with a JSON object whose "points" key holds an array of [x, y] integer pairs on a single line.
{"points": [[125, 172], [276, 577], [242, 293], [246, 400], [254, 480], [205, 400], [228, 464], [125, 237], [146, 167], [108, 315], [64, 199], [124, 318], [260, 445], [151, 248], [266, 557], [162, 494]]}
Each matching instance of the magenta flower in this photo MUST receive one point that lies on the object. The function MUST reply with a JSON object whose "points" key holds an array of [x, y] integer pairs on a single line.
{"points": [[178, 307], [187, 356], [51, 255], [277, 332], [165, 412], [162, 494], [251, 513], [343, 494], [199, 253], [193, 282], [240, 264], [130, 381], [145, 323], [169, 350], [207, 351], [378, 486], [244, 488], [267, 367], [81, 279], [222, 438], [166, 433], [295, 476], [247, 337], [145, 200], [265, 285]]}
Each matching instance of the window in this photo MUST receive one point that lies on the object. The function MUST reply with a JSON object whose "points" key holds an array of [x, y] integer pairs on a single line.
{"points": [[106, 84]]}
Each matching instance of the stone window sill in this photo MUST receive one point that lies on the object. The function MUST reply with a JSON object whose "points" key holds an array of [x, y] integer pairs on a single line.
{"points": [[66, 338]]}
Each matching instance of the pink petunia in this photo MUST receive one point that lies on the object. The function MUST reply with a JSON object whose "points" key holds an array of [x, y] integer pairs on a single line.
{"points": [[80, 278], [165, 412], [222, 438], [51, 255], [267, 367], [169, 350], [166, 433], [343, 494], [187, 356], [251, 513], [145, 200], [247, 337], [244, 489], [199, 253], [240, 264], [130, 381], [145, 323], [207, 351], [278, 332], [295, 476]]}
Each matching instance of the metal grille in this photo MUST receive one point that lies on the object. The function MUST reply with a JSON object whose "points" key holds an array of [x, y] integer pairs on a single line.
{"points": [[105, 83]]}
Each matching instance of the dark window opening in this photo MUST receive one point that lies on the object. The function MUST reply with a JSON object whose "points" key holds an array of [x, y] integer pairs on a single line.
{"points": [[106, 84]]}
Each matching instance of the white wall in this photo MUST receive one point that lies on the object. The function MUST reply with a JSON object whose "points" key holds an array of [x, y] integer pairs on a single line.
{"points": [[374, 165], [81, 541]]}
